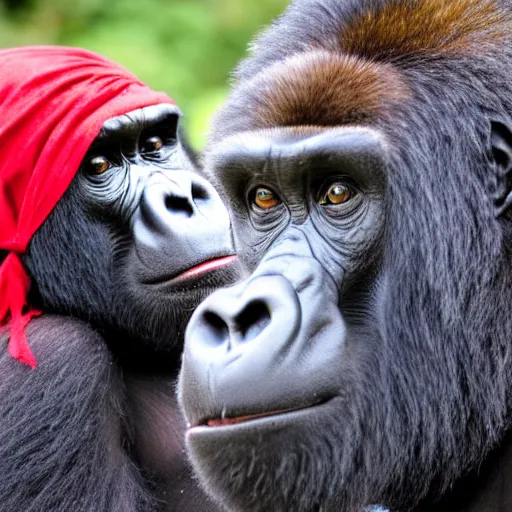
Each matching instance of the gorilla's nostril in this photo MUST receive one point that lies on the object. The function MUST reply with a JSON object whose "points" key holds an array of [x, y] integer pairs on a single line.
{"points": [[217, 331], [178, 204], [253, 319], [199, 191]]}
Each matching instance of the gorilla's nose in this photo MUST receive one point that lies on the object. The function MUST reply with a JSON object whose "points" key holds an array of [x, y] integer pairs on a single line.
{"points": [[165, 201], [181, 224], [241, 343], [244, 345], [263, 311]]}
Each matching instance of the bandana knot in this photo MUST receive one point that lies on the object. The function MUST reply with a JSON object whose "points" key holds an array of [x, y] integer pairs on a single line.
{"points": [[14, 285]]}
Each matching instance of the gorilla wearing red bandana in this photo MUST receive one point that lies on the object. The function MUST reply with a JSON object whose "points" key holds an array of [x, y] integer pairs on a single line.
{"points": [[108, 240]]}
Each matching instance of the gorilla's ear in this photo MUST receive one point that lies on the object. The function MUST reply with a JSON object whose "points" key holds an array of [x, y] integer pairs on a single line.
{"points": [[501, 151]]}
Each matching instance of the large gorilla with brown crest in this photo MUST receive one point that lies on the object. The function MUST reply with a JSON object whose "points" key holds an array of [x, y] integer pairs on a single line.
{"points": [[366, 154]]}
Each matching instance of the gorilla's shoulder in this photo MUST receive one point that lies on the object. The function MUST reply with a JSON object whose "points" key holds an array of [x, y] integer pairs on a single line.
{"points": [[63, 341]]}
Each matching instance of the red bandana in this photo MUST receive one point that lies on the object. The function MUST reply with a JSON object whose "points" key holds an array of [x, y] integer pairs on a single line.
{"points": [[53, 103]]}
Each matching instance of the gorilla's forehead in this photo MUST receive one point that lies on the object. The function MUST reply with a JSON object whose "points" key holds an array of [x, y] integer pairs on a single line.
{"points": [[140, 117], [324, 89], [319, 89]]}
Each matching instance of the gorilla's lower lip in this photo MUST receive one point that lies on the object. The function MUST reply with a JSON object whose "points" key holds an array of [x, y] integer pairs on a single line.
{"points": [[235, 420], [210, 428], [206, 266], [223, 422]]}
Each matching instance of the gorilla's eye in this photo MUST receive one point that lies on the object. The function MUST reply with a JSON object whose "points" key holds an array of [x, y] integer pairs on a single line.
{"points": [[99, 164], [337, 193], [265, 198], [152, 145]]}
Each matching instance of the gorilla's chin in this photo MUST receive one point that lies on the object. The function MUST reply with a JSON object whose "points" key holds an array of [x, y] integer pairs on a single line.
{"points": [[268, 463]]}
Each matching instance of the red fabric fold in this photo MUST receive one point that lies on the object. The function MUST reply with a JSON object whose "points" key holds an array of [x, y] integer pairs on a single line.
{"points": [[53, 102], [14, 285]]}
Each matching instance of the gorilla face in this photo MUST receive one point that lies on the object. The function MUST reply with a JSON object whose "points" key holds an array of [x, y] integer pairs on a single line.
{"points": [[316, 220], [282, 369], [367, 357], [146, 237]]}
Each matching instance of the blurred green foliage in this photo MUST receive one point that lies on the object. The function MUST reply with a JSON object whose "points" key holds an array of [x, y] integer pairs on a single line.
{"points": [[184, 47]]}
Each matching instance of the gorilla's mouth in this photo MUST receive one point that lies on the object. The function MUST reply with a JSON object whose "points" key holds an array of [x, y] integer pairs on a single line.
{"points": [[205, 267], [224, 422], [235, 420]]}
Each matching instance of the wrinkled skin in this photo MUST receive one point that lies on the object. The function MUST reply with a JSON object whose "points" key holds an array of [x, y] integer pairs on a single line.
{"points": [[365, 152], [136, 242]]}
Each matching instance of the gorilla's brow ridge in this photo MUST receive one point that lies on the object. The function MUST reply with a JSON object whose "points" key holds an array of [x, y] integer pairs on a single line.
{"points": [[135, 121]]}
